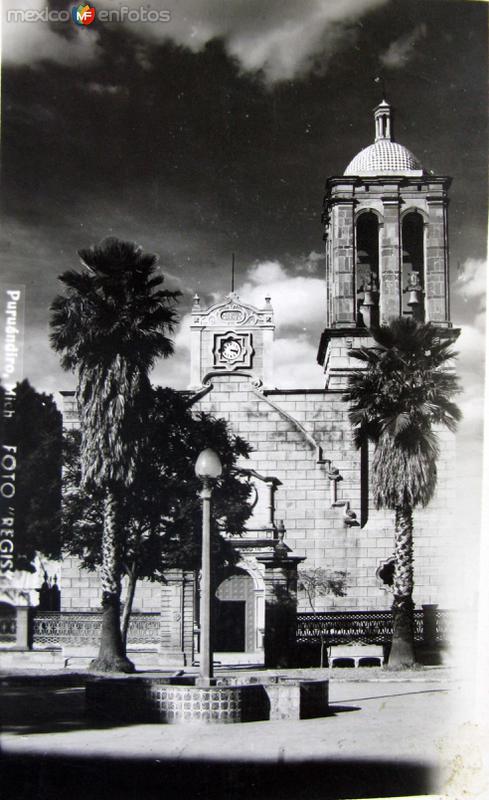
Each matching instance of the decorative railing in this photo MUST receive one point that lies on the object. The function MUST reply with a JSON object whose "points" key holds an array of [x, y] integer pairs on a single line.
{"points": [[8, 628], [444, 621], [50, 628], [144, 629], [369, 627]]}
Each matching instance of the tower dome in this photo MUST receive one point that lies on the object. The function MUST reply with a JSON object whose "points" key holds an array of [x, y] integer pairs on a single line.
{"points": [[384, 156]]}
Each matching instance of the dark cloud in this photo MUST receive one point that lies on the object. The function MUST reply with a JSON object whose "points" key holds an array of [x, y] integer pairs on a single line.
{"points": [[402, 50]]}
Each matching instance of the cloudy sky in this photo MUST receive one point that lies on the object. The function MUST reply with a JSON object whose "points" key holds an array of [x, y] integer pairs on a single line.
{"points": [[214, 132]]}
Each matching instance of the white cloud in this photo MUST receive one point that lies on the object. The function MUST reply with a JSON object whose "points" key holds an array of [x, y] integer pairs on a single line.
{"points": [[470, 368], [175, 371], [310, 263], [105, 88], [182, 338], [284, 38], [299, 309], [402, 50], [471, 346], [298, 301], [471, 286], [472, 280], [266, 272], [33, 42], [281, 37], [295, 365]]}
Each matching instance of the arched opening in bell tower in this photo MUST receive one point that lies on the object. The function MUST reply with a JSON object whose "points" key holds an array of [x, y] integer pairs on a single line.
{"points": [[367, 263], [413, 265]]}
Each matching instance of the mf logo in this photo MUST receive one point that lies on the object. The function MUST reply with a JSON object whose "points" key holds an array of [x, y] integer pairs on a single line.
{"points": [[83, 14]]}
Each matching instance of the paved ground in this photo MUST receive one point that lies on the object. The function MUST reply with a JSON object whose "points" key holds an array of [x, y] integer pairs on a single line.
{"points": [[384, 738]]}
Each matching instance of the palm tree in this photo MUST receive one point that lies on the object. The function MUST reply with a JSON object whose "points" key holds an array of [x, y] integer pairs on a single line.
{"points": [[110, 326], [402, 391]]}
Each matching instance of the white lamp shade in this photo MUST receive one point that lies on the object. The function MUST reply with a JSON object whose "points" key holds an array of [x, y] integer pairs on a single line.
{"points": [[208, 464]]}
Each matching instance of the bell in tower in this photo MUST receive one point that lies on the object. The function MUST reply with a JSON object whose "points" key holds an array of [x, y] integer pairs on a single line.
{"points": [[385, 229]]}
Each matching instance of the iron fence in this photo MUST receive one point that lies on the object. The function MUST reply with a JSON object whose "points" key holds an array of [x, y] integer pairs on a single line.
{"points": [[8, 628], [51, 628], [368, 627]]}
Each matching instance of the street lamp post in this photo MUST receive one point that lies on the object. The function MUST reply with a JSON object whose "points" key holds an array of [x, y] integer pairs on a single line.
{"points": [[208, 468]]}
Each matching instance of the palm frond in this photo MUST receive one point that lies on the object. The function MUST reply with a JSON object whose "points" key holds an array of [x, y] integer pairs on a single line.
{"points": [[404, 387], [110, 326]]}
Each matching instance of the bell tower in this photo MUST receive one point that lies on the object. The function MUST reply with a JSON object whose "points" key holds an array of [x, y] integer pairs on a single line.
{"points": [[386, 235]]}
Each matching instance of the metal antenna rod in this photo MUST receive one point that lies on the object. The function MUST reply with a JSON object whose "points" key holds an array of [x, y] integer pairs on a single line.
{"points": [[380, 79]]}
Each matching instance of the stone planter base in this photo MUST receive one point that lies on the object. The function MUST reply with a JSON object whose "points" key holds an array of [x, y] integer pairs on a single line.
{"points": [[135, 699]]}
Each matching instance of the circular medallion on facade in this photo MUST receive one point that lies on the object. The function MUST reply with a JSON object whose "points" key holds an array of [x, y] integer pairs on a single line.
{"points": [[232, 350]]}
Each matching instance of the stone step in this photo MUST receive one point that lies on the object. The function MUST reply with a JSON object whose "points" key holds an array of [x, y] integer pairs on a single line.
{"points": [[32, 659]]}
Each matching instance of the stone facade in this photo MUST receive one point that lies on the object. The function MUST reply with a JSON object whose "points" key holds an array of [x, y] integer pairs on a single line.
{"points": [[303, 438], [80, 590], [385, 224]]}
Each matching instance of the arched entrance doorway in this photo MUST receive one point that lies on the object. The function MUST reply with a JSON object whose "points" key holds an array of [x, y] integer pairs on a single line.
{"points": [[238, 612]]}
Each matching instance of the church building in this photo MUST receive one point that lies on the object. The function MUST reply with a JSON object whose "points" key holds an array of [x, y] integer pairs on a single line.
{"points": [[386, 255]]}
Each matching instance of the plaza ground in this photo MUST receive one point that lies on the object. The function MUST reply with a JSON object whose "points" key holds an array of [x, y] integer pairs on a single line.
{"points": [[388, 734]]}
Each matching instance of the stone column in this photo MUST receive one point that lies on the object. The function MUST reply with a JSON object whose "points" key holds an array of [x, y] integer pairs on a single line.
{"points": [[390, 262], [268, 357], [195, 356], [436, 262], [22, 637], [429, 624], [343, 262], [188, 590], [176, 625], [280, 609]]}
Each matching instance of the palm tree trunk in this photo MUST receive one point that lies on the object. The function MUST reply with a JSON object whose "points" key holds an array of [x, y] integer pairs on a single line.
{"points": [[402, 649], [132, 578], [112, 655]]}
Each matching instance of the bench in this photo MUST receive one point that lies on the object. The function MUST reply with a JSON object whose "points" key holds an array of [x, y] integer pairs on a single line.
{"points": [[356, 652]]}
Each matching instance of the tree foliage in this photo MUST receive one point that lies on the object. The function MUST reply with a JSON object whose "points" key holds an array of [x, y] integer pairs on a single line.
{"points": [[161, 511], [402, 393], [319, 582], [109, 327], [404, 389]]}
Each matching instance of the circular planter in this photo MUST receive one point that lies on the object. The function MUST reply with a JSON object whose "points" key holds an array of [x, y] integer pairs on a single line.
{"points": [[156, 699]]}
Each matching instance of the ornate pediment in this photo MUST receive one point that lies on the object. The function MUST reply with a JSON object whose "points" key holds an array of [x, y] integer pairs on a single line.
{"points": [[232, 313], [13, 597]]}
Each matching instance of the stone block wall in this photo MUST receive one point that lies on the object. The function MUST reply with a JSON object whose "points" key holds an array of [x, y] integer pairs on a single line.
{"points": [[316, 529], [80, 590], [338, 363]]}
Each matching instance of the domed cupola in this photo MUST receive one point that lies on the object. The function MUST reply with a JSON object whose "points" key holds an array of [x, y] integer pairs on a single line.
{"points": [[384, 156]]}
